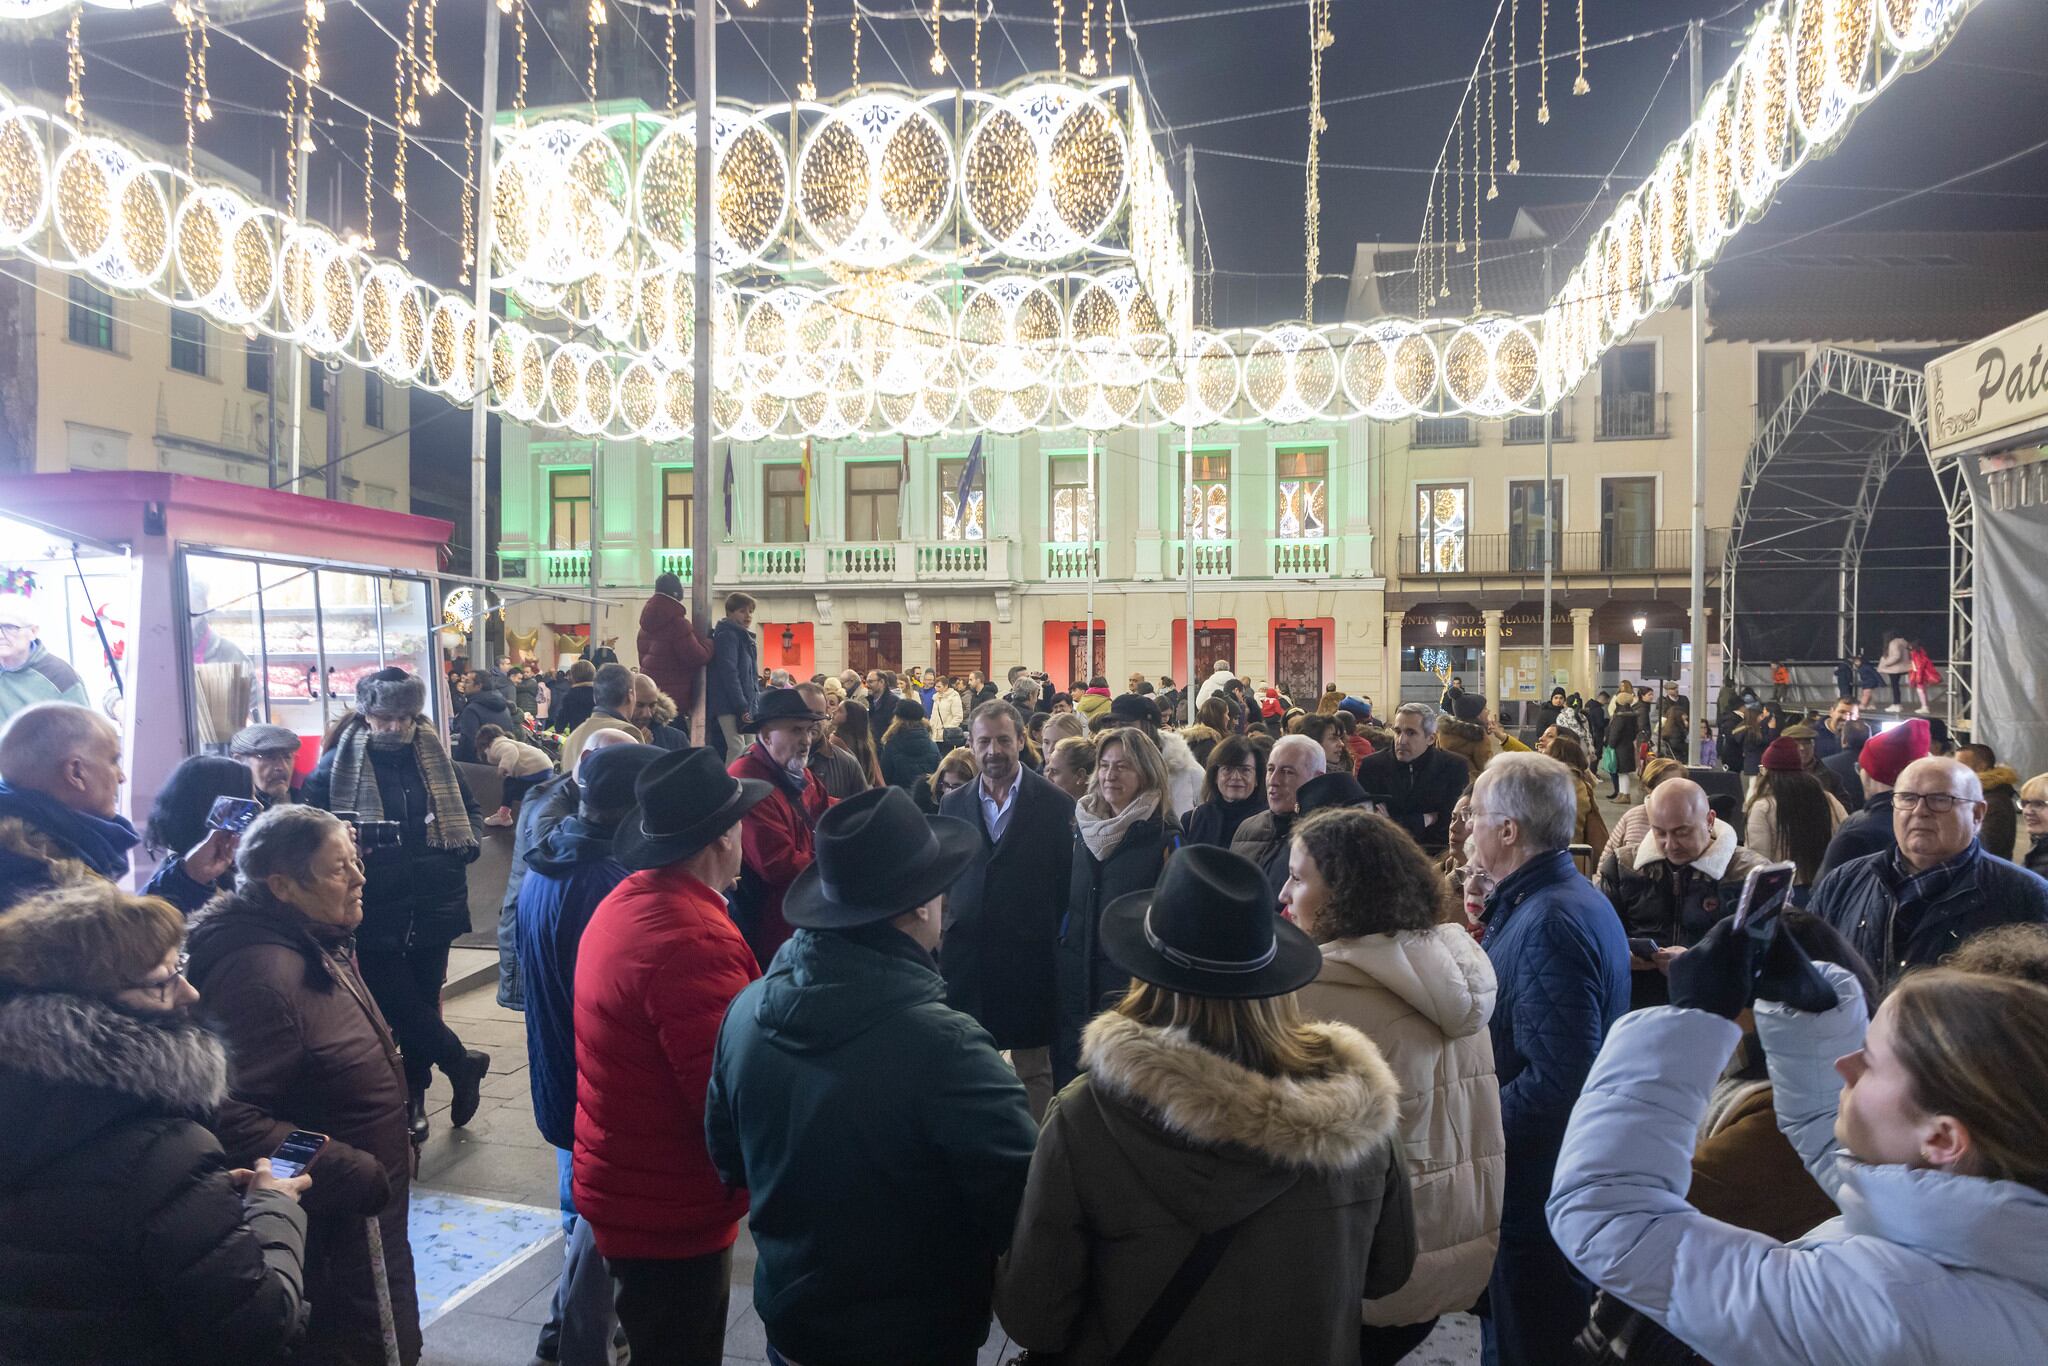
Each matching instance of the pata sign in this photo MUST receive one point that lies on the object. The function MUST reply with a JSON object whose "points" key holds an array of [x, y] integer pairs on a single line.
{"points": [[1991, 394]]}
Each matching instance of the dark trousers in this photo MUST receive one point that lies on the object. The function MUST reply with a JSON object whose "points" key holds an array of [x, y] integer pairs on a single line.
{"points": [[1383, 1346], [673, 1309], [1539, 1302], [966, 1357], [407, 987]]}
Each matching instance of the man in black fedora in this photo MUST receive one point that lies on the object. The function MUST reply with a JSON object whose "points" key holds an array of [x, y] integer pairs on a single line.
{"points": [[655, 970], [777, 834], [882, 1140]]}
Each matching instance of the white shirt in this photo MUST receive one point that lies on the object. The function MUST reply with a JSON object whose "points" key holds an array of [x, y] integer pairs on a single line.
{"points": [[996, 814]]}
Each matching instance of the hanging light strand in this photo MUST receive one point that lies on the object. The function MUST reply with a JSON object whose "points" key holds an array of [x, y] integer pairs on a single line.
{"points": [[409, 58], [181, 12], [309, 70], [519, 47], [977, 39], [1514, 89], [668, 54], [74, 62], [431, 80], [1059, 32], [1492, 121], [1543, 64], [1461, 169], [205, 106], [855, 26], [1477, 206], [369, 185], [807, 88], [468, 194], [1108, 47], [1088, 64], [938, 47], [1319, 40], [1580, 87], [597, 19], [291, 141]]}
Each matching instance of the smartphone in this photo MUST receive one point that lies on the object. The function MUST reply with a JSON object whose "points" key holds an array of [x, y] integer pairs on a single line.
{"points": [[296, 1153], [1764, 893], [1643, 949], [232, 814]]}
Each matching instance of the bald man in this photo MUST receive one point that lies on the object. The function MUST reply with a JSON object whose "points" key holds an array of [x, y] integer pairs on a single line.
{"points": [[1669, 889], [60, 788], [650, 706], [1913, 904]]}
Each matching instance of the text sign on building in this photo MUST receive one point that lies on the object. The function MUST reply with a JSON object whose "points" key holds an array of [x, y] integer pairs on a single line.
{"points": [[1991, 393]]}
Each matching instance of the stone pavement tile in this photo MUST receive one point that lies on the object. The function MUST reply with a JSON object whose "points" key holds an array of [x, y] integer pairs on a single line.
{"points": [[539, 1271], [498, 1171], [460, 1338], [511, 1082], [745, 1338]]}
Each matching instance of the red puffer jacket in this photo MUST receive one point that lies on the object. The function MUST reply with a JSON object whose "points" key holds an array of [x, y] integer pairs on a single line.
{"points": [[671, 651], [657, 967], [777, 839]]}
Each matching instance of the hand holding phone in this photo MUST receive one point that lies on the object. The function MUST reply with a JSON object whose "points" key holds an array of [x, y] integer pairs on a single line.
{"points": [[263, 1178], [1764, 894], [209, 860], [297, 1152], [232, 814]]}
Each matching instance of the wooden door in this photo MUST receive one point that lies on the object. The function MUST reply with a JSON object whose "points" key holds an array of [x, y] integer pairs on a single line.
{"points": [[1079, 667], [1298, 664], [961, 648], [1211, 644], [874, 645]]}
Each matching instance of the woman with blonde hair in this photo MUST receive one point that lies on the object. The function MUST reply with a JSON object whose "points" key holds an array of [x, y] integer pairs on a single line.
{"points": [[1070, 765], [2034, 816], [1212, 1117], [1060, 726], [1400, 968], [1127, 828], [1589, 827], [1926, 1126]]}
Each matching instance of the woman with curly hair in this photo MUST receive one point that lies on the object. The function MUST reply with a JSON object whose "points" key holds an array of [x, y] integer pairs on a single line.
{"points": [[1399, 966]]}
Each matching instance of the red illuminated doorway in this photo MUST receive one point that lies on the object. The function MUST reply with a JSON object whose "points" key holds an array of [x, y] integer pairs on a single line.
{"points": [[1298, 663], [1079, 667], [960, 648], [874, 645]]}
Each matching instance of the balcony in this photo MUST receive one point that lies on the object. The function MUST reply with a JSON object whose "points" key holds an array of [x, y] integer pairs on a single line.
{"points": [[1528, 430], [869, 562], [771, 563], [1299, 557], [676, 562], [888, 562], [1577, 553], [1632, 417], [1435, 433], [565, 566], [1072, 561], [1213, 559]]}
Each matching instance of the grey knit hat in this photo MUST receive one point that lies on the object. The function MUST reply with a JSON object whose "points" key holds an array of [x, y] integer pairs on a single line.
{"points": [[391, 692], [251, 741]]}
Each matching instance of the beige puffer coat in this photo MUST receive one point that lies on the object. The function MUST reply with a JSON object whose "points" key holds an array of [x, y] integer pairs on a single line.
{"points": [[1424, 997]]}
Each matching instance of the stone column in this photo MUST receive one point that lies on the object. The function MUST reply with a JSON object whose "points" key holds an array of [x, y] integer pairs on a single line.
{"points": [[1391, 687], [1492, 616], [1581, 660]]}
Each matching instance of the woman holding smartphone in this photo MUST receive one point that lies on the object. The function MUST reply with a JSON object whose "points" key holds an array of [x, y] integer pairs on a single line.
{"points": [[198, 857], [105, 1167]]}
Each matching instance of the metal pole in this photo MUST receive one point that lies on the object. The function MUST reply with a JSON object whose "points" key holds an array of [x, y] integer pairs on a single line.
{"points": [[330, 473], [701, 476], [1549, 510], [1188, 514], [1088, 650], [596, 516], [298, 357], [479, 414], [1699, 448]]}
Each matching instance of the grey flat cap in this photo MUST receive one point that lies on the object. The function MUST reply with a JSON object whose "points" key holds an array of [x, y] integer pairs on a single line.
{"points": [[250, 741]]}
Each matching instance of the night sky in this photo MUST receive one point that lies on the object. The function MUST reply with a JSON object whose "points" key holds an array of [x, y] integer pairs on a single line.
{"points": [[1965, 110]]}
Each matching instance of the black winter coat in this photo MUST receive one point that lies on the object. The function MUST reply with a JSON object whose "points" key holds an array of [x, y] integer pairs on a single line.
{"points": [[121, 1238], [1624, 727], [1415, 792], [486, 708], [417, 895], [1088, 982], [572, 707], [1867, 831], [1215, 821], [907, 756], [1003, 914], [1859, 900]]}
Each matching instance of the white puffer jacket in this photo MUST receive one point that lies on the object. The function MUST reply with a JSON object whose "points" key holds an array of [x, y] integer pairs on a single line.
{"points": [[1922, 1266], [947, 712], [1183, 773], [1424, 997]]}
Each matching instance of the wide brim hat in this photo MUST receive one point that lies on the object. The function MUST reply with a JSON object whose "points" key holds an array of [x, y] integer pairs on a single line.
{"points": [[683, 801], [1330, 790], [1209, 928], [877, 856], [780, 704]]}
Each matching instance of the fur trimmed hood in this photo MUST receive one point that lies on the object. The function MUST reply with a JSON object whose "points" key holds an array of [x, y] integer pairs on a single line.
{"points": [[1330, 1123]]}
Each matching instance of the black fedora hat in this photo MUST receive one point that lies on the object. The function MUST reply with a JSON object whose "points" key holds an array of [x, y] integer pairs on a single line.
{"points": [[877, 857], [1209, 929], [1329, 789], [684, 800], [781, 704]]}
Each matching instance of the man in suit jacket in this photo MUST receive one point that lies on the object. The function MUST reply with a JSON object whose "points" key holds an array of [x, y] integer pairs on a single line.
{"points": [[1002, 918]]}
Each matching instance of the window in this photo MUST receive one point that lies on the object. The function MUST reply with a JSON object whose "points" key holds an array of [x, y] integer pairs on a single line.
{"points": [[317, 393], [1630, 406], [1301, 492], [1073, 502], [1528, 518], [569, 509], [782, 503], [91, 315], [678, 487], [1440, 511], [871, 494], [188, 342], [373, 401], [1628, 523], [953, 526], [256, 365], [1206, 505], [1776, 373]]}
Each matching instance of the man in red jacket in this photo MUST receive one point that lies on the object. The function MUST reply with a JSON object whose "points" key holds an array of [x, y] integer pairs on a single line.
{"points": [[776, 835], [672, 653], [656, 969]]}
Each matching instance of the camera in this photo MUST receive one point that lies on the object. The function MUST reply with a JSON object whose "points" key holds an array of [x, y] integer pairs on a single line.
{"points": [[371, 835]]}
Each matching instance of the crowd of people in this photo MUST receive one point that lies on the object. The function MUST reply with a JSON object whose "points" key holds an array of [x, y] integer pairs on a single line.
{"points": [[1149, 1026]]}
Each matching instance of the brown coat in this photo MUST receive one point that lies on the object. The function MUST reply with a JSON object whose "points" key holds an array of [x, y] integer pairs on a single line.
{"points": [[307, 1049], [1162, 1140], [1746, 1173]]}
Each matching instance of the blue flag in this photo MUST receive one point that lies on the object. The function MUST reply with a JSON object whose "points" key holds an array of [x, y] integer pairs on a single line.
{"points": [[968, 473], [728, 490]]}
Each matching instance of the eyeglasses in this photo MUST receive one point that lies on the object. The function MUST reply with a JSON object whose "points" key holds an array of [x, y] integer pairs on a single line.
{"points": [[1940, 803], [161, 990]]}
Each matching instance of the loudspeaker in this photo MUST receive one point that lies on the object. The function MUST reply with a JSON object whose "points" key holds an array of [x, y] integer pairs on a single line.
{"points": [[1660, 653]]}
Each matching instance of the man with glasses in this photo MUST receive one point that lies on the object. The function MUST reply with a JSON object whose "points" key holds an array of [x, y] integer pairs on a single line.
{"points": [[29, 673], [1912, 905]]}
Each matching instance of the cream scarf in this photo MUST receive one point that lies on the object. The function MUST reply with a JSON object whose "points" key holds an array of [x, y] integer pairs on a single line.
{"points": [[1104, 830]]}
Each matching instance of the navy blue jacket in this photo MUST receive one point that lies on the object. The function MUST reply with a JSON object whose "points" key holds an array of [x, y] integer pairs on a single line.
{"points": [[1842, 763], [35, 829], [1868, 831], [1561, 958], [568, 873], [735, 673], [1858, 900]]}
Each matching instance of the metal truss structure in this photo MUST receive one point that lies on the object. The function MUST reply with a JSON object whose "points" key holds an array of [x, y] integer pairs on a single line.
{"points": [[1961, 510]]}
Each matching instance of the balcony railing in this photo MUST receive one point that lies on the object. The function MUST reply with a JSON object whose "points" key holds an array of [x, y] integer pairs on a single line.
{"points": [[1513, 555], [959, 560], [860, 561], [1071, 560], [676, 562], [1528, 429], [1632, 417], [565, 566], [825, 563], [771, 563], [1213, 559], [1297, 557], [1437, 432]]}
